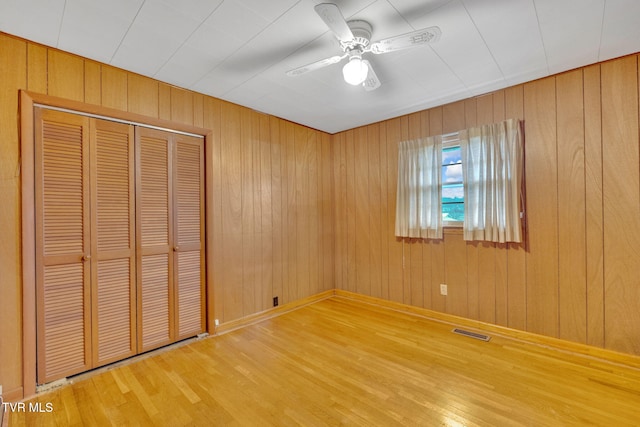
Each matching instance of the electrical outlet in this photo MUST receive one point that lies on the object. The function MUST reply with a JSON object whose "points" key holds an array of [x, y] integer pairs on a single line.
{"points": [[443, 289], [275, 301], [217, 322], [0, 390]]}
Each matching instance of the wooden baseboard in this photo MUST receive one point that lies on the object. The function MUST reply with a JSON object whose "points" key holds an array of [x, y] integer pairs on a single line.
{"points": [[272, 312], [528, 337]]}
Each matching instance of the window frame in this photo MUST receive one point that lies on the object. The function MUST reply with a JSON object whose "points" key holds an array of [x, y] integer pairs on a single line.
{"points": [[450, 140]]}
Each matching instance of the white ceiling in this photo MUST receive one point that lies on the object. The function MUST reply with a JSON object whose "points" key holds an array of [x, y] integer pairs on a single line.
{"points": [[239, 50]]}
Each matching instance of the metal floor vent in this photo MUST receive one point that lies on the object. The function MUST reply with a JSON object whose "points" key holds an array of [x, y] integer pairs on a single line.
{"points": [[470, 334]]}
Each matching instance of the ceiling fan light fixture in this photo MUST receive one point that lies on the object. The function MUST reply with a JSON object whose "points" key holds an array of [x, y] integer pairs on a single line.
{"points": [[355, 71]]}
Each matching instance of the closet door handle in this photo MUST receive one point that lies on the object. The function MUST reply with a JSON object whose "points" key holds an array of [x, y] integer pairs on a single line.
{"points": [[86, 257], [175, 248]]}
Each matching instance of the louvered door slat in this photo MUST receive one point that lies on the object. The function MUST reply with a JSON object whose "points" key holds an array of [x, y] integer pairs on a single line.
{"points": [[113, 241], [62, 239], [114, 316], [155, 301], [154, 237], [189, 206]]}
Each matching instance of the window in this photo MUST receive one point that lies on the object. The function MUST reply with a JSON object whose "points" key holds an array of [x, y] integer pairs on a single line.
{"points": [[471, 178], [452, 184]]}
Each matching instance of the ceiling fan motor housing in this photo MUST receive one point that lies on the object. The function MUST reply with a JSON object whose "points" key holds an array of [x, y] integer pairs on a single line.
{"points": [[361, 35]]}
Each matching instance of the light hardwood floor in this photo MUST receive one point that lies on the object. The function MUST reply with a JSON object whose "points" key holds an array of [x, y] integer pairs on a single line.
{"points": [[344, 362]]}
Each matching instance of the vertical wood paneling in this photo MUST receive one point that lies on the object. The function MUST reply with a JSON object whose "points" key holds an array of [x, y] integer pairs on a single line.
{"points": [[164, 102], [301, 191], [231, 201], [181, 105], [502, 309], [265, 195], [414, 249], [350, 212], [516, 255], [93, 82], [142, 95], [114, 88], [14, 68], [362, 208], [375, 206], [277, 214], [621, 188], [65, 75], [572, 280], [327, 216], [386, 210], [249, 253], [314, 142], [542, 203], [36, 66], [213, 187], [456, 274], [396, 255], [594, 207], [293, 211]]}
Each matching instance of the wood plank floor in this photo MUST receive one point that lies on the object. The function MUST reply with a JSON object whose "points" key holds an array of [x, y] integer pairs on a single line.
{"points": [[342, 362]]}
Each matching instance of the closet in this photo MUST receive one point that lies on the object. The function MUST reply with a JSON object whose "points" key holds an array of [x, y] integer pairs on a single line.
{"points": [[119, 240]]}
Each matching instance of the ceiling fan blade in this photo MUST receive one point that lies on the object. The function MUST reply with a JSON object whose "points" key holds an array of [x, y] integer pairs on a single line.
{"points": [[332, 16], [315, 65], [371, 82], [404, 41]]}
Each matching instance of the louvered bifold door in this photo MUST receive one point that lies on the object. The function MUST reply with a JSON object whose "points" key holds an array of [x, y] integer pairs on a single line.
{"points": [[62, 244], [154, 237], [113, 241], [189, 235]]}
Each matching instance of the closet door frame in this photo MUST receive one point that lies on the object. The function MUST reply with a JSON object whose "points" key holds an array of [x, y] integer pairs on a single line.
{"points": [[27, 102]]}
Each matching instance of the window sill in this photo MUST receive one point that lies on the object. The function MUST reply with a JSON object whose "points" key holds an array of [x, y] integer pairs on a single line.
{"points": [[452, 229]]}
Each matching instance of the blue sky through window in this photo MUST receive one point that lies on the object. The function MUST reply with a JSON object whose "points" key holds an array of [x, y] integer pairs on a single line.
{"points": [[452, 188]]}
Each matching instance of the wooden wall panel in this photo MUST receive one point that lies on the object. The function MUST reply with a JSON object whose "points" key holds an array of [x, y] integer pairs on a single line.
{"points": [[142, 95], [65, 75], [37, 68], [181, 105], [594, 209], [572, 309], [13, 75], [516, 255], [93, 83], [621, 188], [375, 207], [542, 207], [396, 254], [114, 88]]}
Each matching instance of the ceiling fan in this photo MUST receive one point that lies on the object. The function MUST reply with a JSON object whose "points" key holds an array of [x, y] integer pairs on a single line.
{"points": [[355, 40]]}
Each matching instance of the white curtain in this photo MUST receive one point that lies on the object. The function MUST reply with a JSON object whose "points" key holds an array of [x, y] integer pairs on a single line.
{"points": [[419, 196], [492, 171]]}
